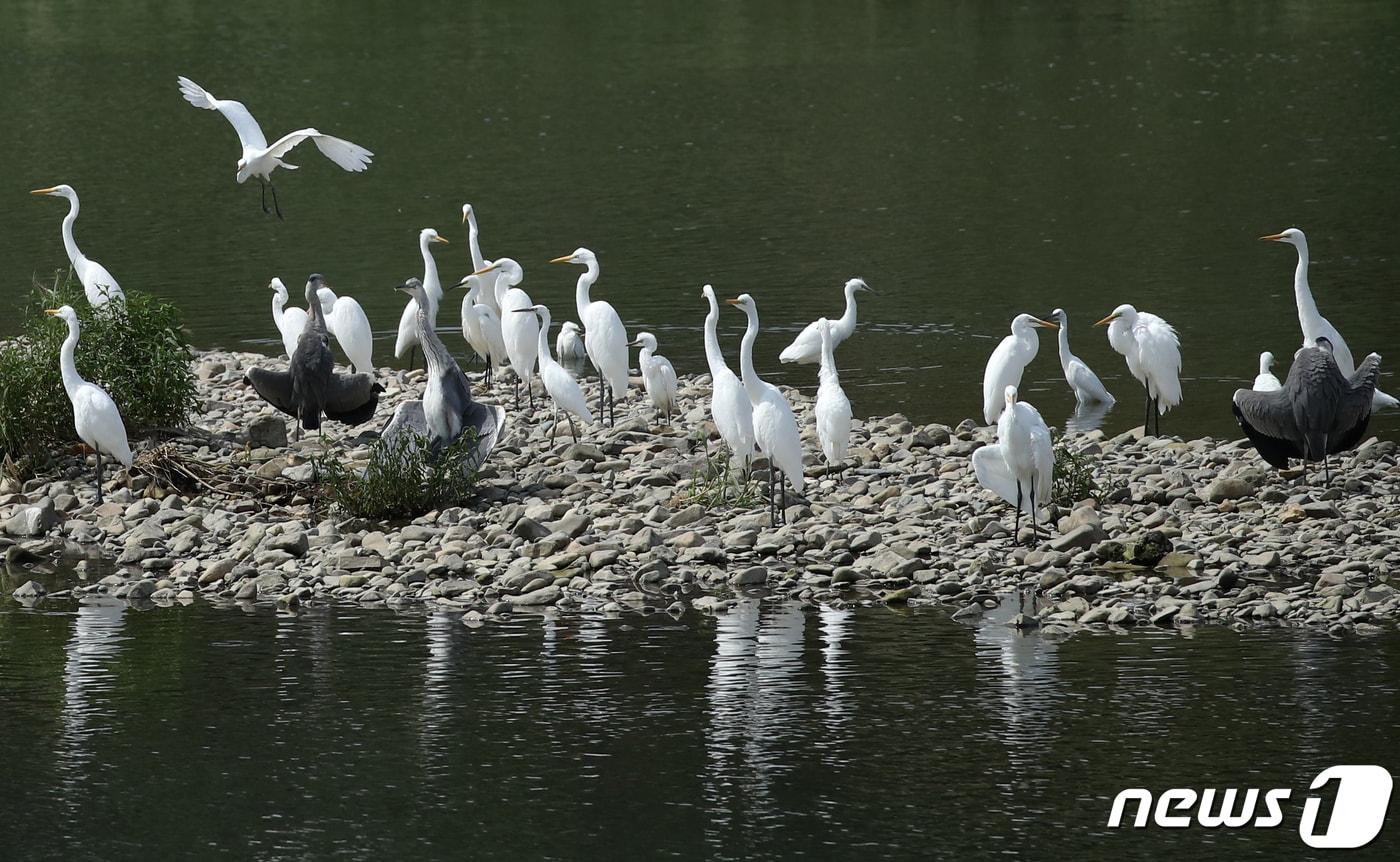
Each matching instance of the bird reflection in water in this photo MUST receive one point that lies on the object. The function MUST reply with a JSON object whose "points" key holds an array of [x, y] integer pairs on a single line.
{"points": [[88, 675], [1087, 416]]}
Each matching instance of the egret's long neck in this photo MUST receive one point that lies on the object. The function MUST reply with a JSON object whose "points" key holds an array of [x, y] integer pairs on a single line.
{"points": [[278, 303], [432, 286], [71, 380], [828, 366], [474, 241], [1065, 355], [1307, 308], [847, 323], [70, 244], [713, 356], [585, 282], [499, 290], [751, 381], [544, 357], [1263, 365]]}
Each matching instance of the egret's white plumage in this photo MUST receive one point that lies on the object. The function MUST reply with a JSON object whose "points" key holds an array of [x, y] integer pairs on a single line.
{"points": [[833, 410], [1086, 385], [563, 389], [569, 344], [1149, 345], [729, 403], [604, 336], [346, 321], [519, 331], [99, 285], [1009, 361], [1313, 324], [807, 346], [95, 415], [471, 321], [1020, 466], [658, 375], [432, 286], [487, 277], [1265, 381], [774, 426], [290, 321]]}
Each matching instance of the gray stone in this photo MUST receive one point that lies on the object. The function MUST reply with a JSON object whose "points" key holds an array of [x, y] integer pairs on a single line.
{"points": [[753, 576], [35, 520], [269, 431], [1227, 488], [294, 543], [29, 590], [1083, 536]]}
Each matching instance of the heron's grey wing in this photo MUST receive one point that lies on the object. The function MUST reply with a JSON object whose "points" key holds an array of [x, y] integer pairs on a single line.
{"points": [[489, 420], [456, 391], [274, 387], [352, 398], [1267, 419], [409, 419], [1354, 407], [1315, 388]]}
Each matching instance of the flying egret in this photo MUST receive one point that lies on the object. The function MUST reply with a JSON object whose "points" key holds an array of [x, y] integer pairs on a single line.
{"points": [[289, 321], [658, 376], [604, 336], [1313, 324], [1150, 346], [95, 415], [833, 410], [569, 345], [1009, 361], [1020, 466], [807, 346], [561, 386], [258, 158], [487, 293], [1319, 411], [519, 331], [98, 284], [471, 325], [1088, 388], [432, 286], [774, 426], [1266, 381], [346, 321], [729, 402]]}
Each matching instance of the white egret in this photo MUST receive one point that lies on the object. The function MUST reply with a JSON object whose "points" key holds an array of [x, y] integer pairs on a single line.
{"points": [[495, 339], [1020, 466], [807, 346], [487, 293], [833, 410], [774, 426], [258, 158], [1265, 381], [471, 325], [408, 321], [604, 336], [98, 284], [729, 403], [346, 320], [1153, 353], [563, 389], [1009, 361], [95, 415], [1313, 324], [658, 376], [519, 331], [1087, 387], [290, 321], [569, 344]]}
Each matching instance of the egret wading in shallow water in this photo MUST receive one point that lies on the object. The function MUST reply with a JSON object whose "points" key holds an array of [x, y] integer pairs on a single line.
{"points": [[518, 331], [806, 348], [562, 388], [1265, 381], [569, 345], [774, 426], [833, 410], [729, 403], [1008, 362], [346, 321], [408, 321], [1317, 413], [258, 158], [1149, 345], [95, 415], [98, 284], [1313, 324], [1086, 385], [604, 336], [658, 376], [1020, 466], [289, 321]]}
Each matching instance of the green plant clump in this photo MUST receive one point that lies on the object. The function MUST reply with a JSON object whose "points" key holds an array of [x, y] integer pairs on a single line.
{"points": [[1074, 477], [403, 478], [136, 351], [717, 485]]}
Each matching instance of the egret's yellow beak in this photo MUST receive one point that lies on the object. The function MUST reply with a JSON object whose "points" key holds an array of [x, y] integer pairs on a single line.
{"points": [[1107, 320], [485, 269], [1045, 324], [732, 301], [568, 258], [47, 191], [1273, 237], [464, 217], [441, 239], [51, 312]]}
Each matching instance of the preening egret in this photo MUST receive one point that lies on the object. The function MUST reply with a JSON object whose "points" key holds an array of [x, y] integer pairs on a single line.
{"points": [[563, 389], [519, 331], [1313, 324], [98, 284], [833, 410], [310, 386], [658, 376], [290, 321], [471, 325], [604, 336], [1265, 381], [774, 426], [95, 415], [807, 346], [487, 293], [1149, 345], [346, 321], [1020, 466], [447, 396], [569, 345], [1008, 361], [1319, 411], [1087, 387], [258, 159], [408, 321], [729, 403]]}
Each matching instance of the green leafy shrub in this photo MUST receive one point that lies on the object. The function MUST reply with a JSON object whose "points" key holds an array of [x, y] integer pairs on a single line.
{"points": [[402, 480], [1074, 477], [137, 352], [718, 485]]}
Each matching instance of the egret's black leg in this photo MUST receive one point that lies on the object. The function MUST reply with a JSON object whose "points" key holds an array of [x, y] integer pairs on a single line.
{"points": [[275, 206], [1016, 531], [1147, 410], [1035, 532], [517, 393], [553, 426], [262, 187], [573, 429], [1326, 469], [531, 387], [99, 475]]}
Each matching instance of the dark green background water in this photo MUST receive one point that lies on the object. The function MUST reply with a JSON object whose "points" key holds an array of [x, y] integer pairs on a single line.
{"points": [[971, 160]]}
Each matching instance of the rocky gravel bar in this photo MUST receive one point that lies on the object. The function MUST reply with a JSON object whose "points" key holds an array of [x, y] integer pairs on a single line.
{"points": [[1184, 531]]}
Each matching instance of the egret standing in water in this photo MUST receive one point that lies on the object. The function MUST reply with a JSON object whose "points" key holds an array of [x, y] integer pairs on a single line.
{"points": [[833, 410], [1265, 380], [561, 386], [729, 403], [1313, 324], [289, 321], [95, 415], [1149, 345], [258, 159], [806, 348], [1087, 387], [346, 321], [519, 331], [774, 426], [1009, 361], [1020, 466], [98, 284], [432, 286], [604, 336], [658, 376]]}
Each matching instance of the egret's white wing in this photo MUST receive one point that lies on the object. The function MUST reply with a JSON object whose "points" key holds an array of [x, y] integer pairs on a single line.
{"points": [[351, 157], [1043, 454], [1159, 354], [806, 348], [250, 134], [1086, 384], [565, 391]]}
